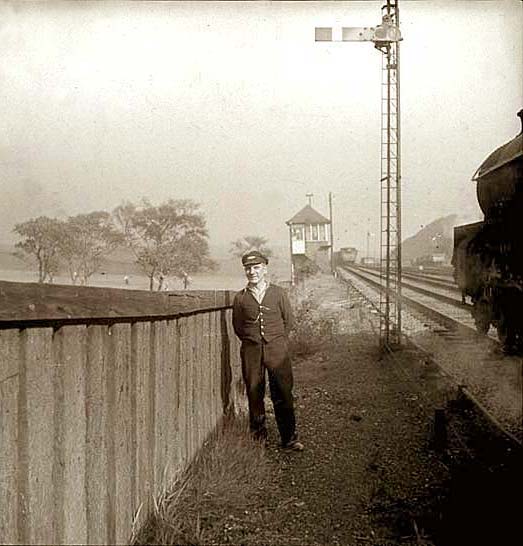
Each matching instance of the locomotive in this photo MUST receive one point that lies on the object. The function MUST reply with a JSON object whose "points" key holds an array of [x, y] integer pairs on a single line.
{"points": [[488, 255]]}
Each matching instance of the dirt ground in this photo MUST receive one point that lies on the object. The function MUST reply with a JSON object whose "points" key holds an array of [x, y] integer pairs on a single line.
{"points": [[367, 473], [370, 473]]}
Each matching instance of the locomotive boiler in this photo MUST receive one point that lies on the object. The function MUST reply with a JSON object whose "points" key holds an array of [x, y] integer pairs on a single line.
{"points": [[488, 255]]}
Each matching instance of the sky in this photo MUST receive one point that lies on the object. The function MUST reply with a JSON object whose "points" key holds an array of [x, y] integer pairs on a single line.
{"points": [[234, 105]]}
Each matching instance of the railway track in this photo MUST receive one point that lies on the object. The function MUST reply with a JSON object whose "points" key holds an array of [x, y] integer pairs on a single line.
{"points": [[441, 304], [438, 282], [444, 285], [438, 323], [437, 272]]}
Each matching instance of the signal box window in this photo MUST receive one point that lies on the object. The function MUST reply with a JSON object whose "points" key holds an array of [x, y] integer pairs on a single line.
{"points": [[297, 233]]}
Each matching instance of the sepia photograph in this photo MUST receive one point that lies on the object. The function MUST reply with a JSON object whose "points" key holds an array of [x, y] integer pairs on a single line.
{"points": [[261, 272]]}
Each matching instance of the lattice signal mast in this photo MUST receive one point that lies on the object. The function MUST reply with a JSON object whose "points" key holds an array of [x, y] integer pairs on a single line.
{"points": [[386, 38]]}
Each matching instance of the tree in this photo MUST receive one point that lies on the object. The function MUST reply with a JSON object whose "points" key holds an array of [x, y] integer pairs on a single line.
{"points": [[168, 239], [41, 241], [250, 242], [305, 268], [85, 241]]}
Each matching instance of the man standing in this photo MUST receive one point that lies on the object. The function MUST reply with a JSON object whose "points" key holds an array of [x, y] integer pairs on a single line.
{"points": [[262, 319]]}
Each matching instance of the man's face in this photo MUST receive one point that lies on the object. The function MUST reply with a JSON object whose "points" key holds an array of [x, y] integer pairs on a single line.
{"points": [[255, 273]]}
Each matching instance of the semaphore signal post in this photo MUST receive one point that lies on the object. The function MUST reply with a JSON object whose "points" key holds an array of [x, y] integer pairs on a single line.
{"points": [[386, 38]]}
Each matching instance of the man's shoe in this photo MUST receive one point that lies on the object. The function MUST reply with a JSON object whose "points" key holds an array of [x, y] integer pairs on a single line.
{"points": [[294, 445]]}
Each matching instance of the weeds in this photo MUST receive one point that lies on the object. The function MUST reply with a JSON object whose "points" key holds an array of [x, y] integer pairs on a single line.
{"points": [[311, 328], [199, 506]]}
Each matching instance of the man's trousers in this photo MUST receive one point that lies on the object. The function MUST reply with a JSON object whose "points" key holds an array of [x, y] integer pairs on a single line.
{"points": [[273, 357]]}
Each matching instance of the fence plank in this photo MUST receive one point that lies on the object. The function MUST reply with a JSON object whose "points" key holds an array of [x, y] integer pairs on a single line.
{"points": [[72, 355], [215, 355], [226, 357], [177, 414], [195, 394], [199, 410], [212, 362], [191, 380], [144, 422], [165, 369], [9, 384], [93, 416], [238, 386], [202, 366], [99, 510], [182, 398], [41, 528], [207, 374], [216, 365], [123, 431], [173, 388], [9, 354]]}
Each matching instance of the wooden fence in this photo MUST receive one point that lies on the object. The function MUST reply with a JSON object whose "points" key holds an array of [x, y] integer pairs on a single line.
{"points": [[96, 415]]}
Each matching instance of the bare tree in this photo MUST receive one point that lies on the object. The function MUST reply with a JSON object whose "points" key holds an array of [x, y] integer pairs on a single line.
{"points": [[168, 239], [41, 241], [250, 242]]}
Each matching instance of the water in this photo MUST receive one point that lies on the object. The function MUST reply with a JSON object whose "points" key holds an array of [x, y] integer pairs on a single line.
{"points": [[208, 281]]}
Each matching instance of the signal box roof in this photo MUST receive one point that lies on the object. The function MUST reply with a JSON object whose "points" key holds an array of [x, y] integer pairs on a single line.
{"points": [[308, 215]]}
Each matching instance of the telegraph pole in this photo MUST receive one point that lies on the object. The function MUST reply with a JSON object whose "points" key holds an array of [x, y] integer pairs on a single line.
{"points": [[386, 37]]}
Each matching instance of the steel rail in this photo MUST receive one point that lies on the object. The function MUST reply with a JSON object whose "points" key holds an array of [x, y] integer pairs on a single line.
{"points": [[433, 282], [425, 279], [440, 297], [447, 321], [464, 392]]}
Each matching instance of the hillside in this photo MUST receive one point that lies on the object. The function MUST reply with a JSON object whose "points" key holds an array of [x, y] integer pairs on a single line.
{"points": [[436, 238]]}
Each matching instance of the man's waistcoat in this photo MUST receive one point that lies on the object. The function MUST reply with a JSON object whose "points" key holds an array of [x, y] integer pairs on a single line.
{"points": [[266, 321]]}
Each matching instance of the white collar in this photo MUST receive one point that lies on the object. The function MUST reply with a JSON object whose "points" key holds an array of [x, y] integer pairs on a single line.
{"points": [[256, 288]]}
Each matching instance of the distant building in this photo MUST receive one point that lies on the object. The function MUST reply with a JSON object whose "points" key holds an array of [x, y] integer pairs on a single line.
{"points": [[309, 240]]}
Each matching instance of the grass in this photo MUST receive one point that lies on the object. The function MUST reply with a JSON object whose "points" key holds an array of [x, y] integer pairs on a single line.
{"points": [[206, 504], [199, 506]]}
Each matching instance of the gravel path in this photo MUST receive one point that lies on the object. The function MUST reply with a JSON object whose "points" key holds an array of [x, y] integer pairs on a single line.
{"points": [[492, 377], [367, 475]]}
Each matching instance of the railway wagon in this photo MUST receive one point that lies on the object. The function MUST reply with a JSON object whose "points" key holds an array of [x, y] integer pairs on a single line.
{"points": [[348, 255], [369, 261], [488, 255]]}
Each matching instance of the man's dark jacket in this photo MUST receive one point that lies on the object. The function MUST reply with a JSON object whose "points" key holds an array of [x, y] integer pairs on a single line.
{"points": [[267, 321]]}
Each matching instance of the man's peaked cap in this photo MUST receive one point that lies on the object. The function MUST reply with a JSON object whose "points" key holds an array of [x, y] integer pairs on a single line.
{"points": [[254, 257]]}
